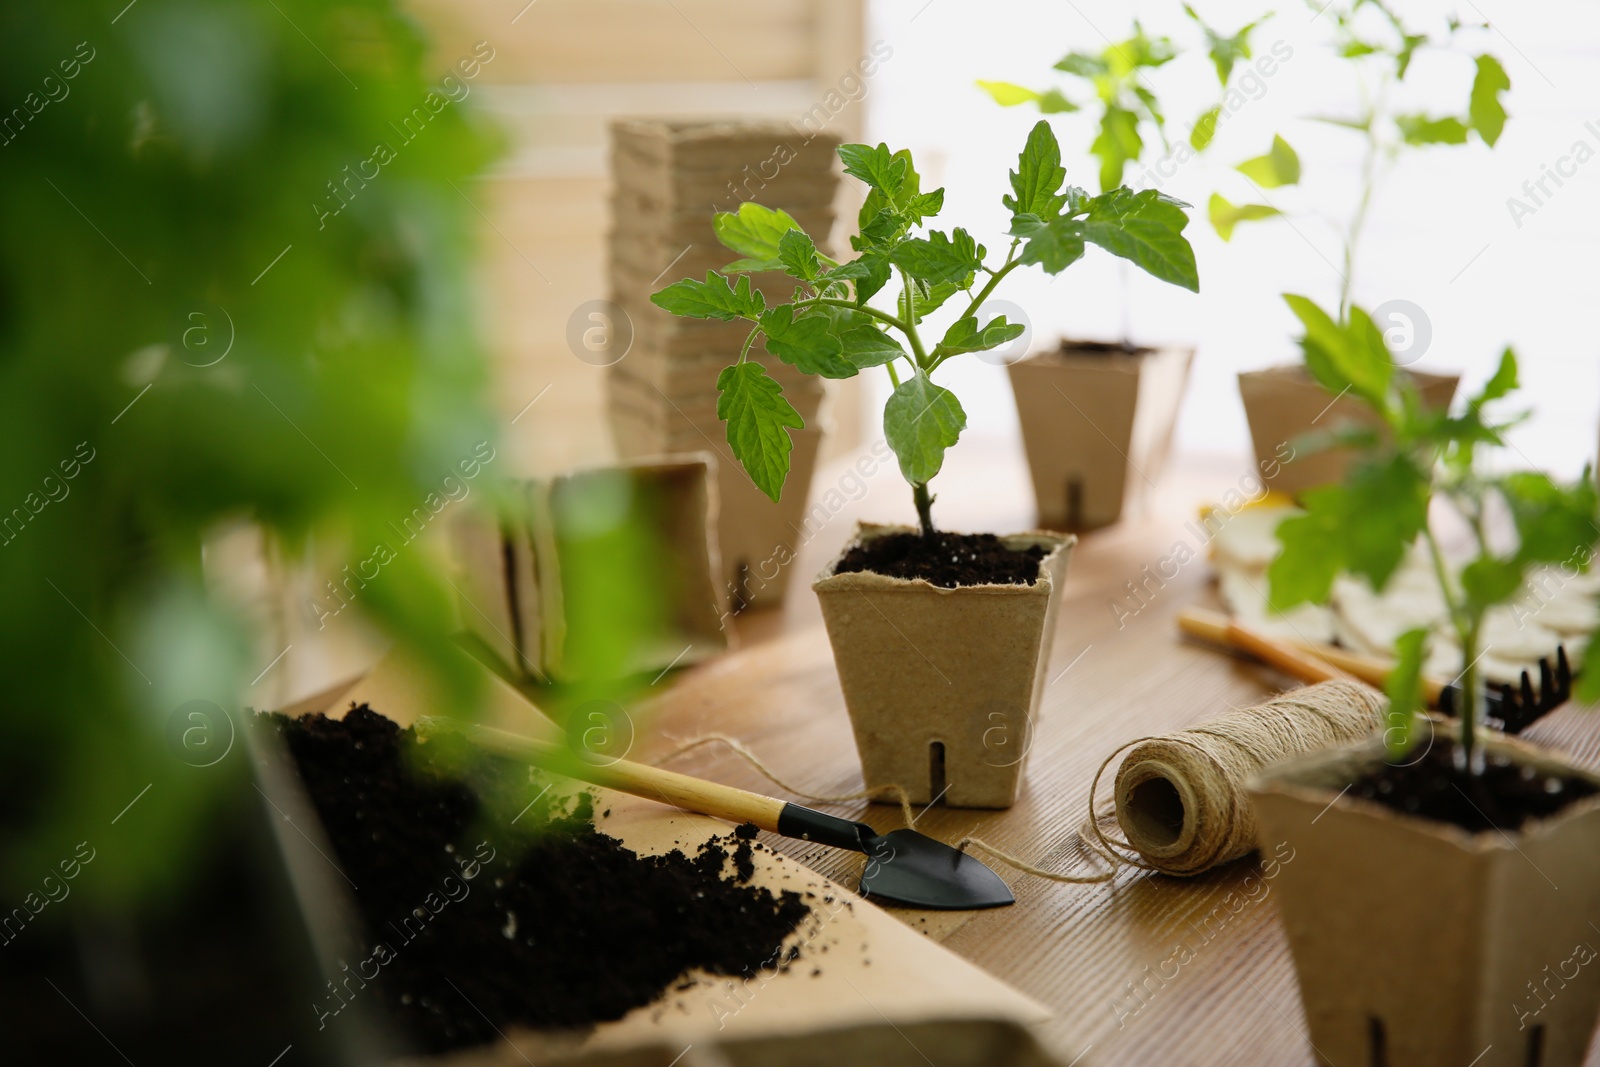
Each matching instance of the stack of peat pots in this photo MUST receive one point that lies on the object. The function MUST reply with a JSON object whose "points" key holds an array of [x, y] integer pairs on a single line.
{"points": [[670, 178]]}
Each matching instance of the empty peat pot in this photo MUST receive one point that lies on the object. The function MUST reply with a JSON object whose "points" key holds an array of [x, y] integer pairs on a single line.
{"points": [[1283, 404], [942, 684], [1419, 943], [1097, 423]]}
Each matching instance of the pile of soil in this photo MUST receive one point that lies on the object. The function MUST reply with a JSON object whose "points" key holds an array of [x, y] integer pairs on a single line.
{"points": [[1505, 796], [945, 559], [472, 926]]}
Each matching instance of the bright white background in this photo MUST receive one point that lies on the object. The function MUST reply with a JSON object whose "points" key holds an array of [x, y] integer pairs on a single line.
{"points": [[1440, 234]]}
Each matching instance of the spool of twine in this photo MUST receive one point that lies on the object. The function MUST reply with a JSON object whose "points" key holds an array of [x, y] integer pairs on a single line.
{"points": [[1180, 798]]}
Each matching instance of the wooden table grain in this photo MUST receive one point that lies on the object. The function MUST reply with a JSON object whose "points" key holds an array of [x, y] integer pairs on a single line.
{"points": [[1145, 969]]}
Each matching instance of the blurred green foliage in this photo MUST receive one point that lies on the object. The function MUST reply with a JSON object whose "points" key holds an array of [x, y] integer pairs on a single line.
{"points": [[180, 300], [1366, 524]]}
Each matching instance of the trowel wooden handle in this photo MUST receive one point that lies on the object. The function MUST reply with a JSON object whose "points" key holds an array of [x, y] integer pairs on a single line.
{"points": [[637, 779]]}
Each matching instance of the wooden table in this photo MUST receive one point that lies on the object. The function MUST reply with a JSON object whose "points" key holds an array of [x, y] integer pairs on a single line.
{"points": [[1097, 954]]}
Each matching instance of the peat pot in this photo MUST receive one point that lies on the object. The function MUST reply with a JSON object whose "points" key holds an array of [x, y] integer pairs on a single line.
{"points": [[942, 684], [1418, 943], [1283, 404], [1097, 425]]}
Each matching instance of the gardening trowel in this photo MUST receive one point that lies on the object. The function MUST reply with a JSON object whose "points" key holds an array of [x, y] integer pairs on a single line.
{"points": [[903, 866]]}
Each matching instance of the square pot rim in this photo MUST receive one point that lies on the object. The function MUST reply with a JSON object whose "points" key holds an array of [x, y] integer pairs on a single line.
{"points": [[1060, 544], [1296, 372], [1054, 357], [1289, 779], [660, 462]]}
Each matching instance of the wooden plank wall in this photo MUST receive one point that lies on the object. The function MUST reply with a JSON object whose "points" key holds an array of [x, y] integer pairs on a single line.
{"points": [[562, 70]]}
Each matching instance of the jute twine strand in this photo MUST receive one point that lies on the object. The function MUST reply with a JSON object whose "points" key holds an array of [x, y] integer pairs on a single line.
{"points": [[739, 749], [1211, 762]]}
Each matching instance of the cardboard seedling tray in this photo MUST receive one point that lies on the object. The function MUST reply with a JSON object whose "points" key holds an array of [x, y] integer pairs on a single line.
{"points": [[1284, 403], [866, 989], [962, 669], [1438, 947], [515, 578], [1097, 426]]}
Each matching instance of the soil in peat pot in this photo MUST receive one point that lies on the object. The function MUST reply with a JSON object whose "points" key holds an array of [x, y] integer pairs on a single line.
{"points": [[1097, 348], [1505, 796], [472, 926], [945, 559]]}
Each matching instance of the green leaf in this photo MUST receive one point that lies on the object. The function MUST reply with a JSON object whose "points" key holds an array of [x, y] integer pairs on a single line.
{"points": [[1007, 94], [1423, 130], [1488, 115], [868, 346], [920, 421], [754, 231], [1117, 144], [1500, 384], [1145, 228], [964, 335], [1224, 50], [938, 258], [1053, 102], [1082, 64], [924, 205], [714, 298], [1553, 521], [1055, 245], [758, 416], [870, 272], [1404, 690], [1488, 581], [799, 255], [1280, 166], [1205, 128], [1408, 48], [1363, 125], [878, 167], [1387, 507], [1364, 526], [1303, 572], [805, 343], [925, 299], [1036, 182], [1341, 357], [1225, 216]]}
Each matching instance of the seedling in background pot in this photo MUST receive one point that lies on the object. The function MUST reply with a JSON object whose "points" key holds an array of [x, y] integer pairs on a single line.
{"points": [[829, 328], [1379, 49], [1365, 525], [1124, 102]]}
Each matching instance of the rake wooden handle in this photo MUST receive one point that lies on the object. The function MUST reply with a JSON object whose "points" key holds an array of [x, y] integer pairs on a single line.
{"points": [[1220, 629], [637, 779]]}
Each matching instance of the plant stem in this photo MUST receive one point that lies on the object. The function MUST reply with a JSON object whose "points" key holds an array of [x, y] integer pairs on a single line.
{"points": [[1472, 703], [1467, 633], [1369, 167], [909, 327], [744, 353], [881, 316], [924, 501], [983, 294]]}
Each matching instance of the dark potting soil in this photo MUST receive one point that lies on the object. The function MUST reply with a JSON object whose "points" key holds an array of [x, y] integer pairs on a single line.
{"points": [[1505, 796], [1099, 348], [471, 926], [945, 559]]}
